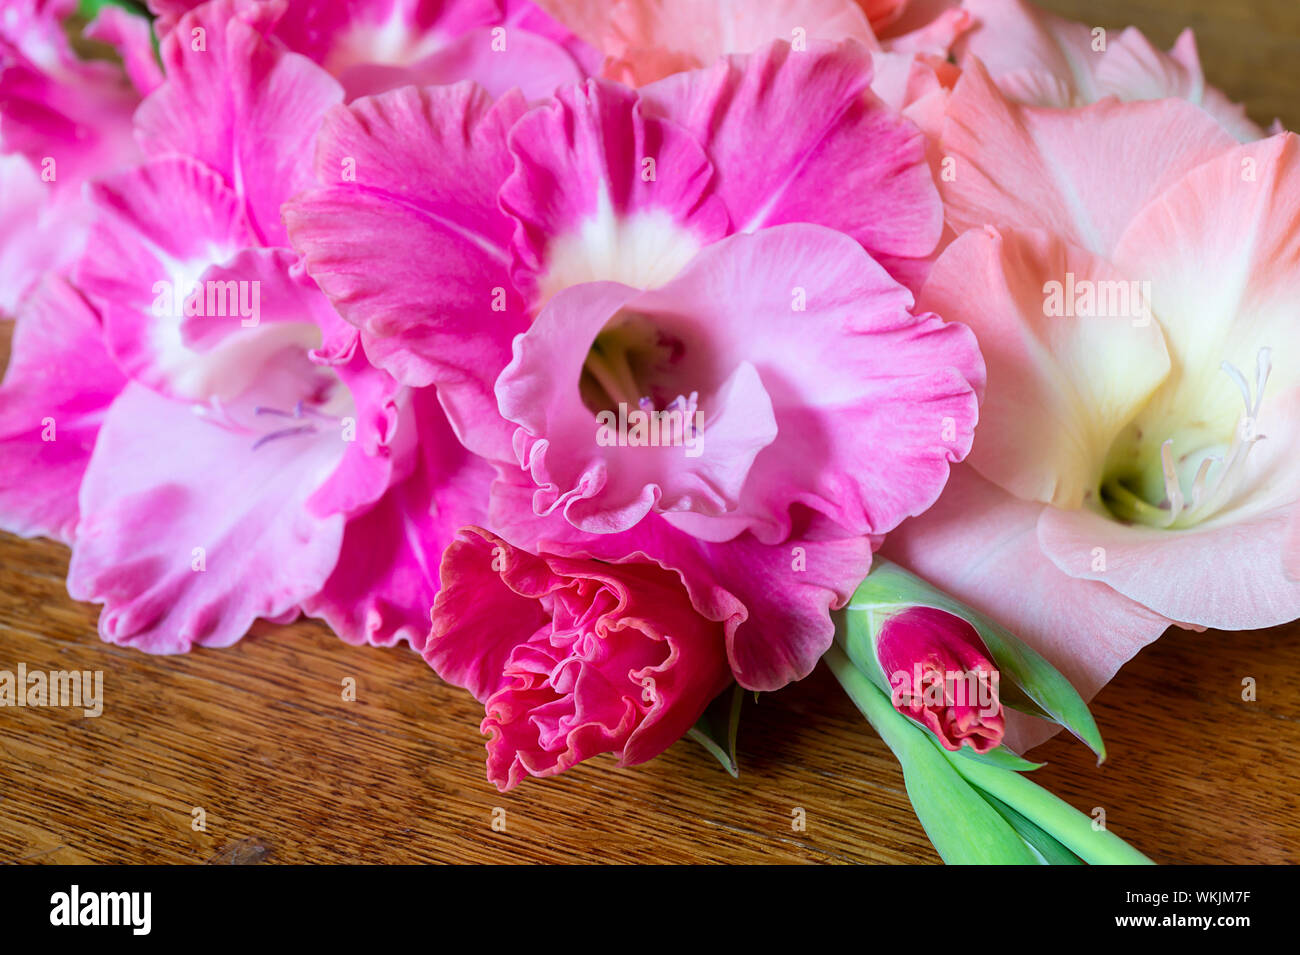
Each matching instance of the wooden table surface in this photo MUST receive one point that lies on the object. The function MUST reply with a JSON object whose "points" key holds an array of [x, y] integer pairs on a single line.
{"points": [[285, 770]]}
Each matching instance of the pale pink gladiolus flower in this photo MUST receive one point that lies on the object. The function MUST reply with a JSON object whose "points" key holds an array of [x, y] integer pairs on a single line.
{"points": [[1134, 300]]}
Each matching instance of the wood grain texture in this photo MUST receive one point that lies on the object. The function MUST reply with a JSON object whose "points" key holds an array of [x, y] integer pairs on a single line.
{"points": [[260, 738]]}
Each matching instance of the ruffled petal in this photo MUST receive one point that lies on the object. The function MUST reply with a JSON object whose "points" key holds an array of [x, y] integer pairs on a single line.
{"points": [[58, 385], [571, 656], [189, 532], [851, 164], [1082, 174], [420, 169], [602, 192], [240, 103]]}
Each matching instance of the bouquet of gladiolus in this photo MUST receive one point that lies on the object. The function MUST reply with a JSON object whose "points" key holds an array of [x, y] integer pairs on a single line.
{"points": [[625, 358]]}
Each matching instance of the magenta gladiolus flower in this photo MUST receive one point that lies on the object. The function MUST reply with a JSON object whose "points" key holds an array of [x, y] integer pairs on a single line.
{"points": [[371, 46], [571, 657], [248, 461], [601, 183], [797, 374], [828, 409], [941, 675], [62, 121]]}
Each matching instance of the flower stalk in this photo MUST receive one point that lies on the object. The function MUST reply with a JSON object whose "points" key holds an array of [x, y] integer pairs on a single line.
{"points": [[976, 807]]}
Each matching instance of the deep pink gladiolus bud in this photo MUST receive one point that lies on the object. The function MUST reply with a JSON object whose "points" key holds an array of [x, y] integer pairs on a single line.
{"points": [[941, 676]]}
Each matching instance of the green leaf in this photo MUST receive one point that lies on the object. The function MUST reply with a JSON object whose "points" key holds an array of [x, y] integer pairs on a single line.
{"points": [[1028, 681], [1001, 757], [89, 9], [961, 824], [716, 730]]}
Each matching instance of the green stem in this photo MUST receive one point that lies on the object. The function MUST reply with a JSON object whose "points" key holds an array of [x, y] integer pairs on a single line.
{"points": [[962, 825], [1071, 827], [1066, 824]]}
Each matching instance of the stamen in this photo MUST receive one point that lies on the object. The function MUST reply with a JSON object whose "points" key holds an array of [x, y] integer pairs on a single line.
{"points": [[1218, 475], [683, 404], [613, 374], [1263, 366], [1198, 485], [1210, 495], [283, 433], [278, 412], [1238, 379], [300, 410], [1173, 491]]}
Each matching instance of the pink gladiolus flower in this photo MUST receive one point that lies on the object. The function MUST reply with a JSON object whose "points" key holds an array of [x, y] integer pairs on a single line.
{"points": [[636, 185], [1131, 465], [571, 657], [56, 389], [837, 399], [62, 120], [194, 508], [376, 45], [780, 485], [248, 460], [648, 40], [941, 675], [1043, 60]]}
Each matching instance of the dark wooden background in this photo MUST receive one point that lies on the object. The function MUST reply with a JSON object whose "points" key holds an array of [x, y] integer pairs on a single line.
{"points": [[260, 738]]}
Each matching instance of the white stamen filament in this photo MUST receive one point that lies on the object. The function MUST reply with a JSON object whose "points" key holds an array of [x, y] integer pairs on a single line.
{"points": [[1208, 495]]}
